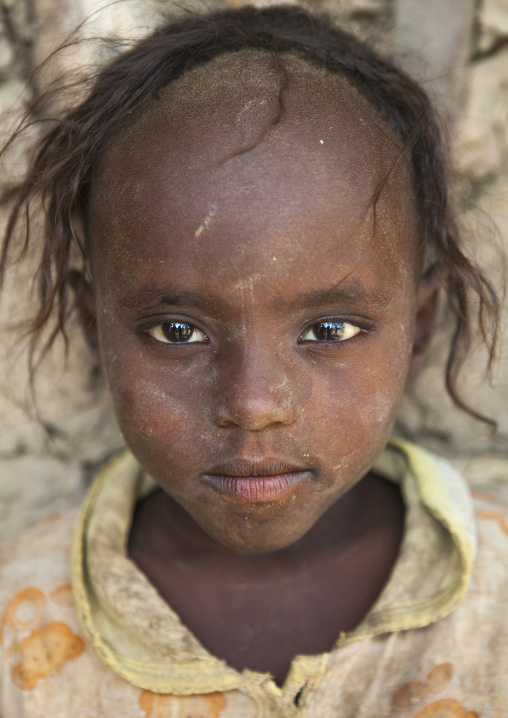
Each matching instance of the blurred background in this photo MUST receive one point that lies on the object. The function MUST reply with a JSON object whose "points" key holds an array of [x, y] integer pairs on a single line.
{"points": [[458, 49]]}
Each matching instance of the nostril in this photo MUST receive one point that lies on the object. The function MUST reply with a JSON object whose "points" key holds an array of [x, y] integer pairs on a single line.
{"points": [[254, 415], [252, 424]]}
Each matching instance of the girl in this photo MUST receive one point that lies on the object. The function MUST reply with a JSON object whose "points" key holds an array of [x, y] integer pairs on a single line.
{"points": [[260, 205]]}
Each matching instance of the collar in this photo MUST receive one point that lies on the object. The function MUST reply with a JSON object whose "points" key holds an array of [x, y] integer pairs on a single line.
{"points": [[136, 633]]}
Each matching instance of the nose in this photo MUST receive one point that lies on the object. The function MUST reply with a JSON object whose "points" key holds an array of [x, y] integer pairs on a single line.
{"points": [[256, 392]]}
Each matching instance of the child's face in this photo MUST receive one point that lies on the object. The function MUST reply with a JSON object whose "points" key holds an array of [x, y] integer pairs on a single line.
{"points": [[255, 261]]}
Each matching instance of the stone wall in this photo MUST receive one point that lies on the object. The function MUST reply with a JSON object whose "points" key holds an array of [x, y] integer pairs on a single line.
{"points": [[457, 48]]}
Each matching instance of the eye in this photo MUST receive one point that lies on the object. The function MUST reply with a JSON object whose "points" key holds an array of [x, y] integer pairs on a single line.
{"points": [[177, 333], [330, 332]]}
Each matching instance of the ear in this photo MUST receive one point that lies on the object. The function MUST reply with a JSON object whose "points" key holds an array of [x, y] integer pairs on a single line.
{"points": [[85, 303], [426, 312]]}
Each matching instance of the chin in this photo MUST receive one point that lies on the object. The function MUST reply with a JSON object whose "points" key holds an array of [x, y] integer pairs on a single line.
{"points": [[263, 545], [246, 535]]}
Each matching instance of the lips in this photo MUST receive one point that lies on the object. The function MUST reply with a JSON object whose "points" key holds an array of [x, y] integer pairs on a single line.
{"points": [[256, 482]]}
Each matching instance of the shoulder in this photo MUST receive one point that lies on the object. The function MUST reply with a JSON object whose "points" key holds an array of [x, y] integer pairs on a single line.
{"points": [[39, 550], [35, 572], [490, 509], [37, 618], [485, 599], [492, 525]]}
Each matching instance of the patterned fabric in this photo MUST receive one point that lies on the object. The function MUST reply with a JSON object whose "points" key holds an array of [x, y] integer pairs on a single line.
{"points": [[433, 646]]}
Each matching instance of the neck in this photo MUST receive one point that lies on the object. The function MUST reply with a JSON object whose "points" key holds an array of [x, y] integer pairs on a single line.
{"points": [[162, 528]]}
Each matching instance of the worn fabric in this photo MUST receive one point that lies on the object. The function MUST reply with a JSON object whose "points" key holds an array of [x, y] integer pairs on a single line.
{"points": [[433, 645]]}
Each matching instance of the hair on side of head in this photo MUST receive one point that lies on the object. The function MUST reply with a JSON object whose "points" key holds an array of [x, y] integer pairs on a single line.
{"points": [[59, 176]]}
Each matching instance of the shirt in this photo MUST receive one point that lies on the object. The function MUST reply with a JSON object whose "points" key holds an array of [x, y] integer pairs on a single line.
{"points": [[434, 645]]}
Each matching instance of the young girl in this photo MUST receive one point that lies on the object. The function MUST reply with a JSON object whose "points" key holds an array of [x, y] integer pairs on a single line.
{"points": [[260, 205]]}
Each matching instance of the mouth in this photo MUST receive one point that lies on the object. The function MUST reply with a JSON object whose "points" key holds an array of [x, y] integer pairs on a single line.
{"points": [[255, 482]]}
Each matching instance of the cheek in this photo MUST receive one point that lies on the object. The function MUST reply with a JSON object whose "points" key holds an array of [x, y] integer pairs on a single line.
{"points": [[384, 383], [375, 412], [161, 411], [357, 403]]}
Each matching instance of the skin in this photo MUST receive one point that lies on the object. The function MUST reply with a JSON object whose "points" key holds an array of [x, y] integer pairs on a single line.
{"points": [[253, 249]]}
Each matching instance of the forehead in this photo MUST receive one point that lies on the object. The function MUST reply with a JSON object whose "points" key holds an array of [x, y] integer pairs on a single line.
{"points": [[251, 152]]}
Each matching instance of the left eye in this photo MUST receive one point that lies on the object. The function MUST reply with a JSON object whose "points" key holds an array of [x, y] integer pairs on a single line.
{"points": [[330, 332], [177, 333]]}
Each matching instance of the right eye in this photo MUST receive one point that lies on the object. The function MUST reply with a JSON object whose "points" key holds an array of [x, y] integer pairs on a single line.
{"points": [[177, 333]]}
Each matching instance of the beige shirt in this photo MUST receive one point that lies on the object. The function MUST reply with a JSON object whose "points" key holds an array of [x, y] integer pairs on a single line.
{"points": [[434, 645]]}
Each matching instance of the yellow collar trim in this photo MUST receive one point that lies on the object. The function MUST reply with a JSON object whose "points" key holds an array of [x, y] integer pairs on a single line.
{"points": [[140, 637]]}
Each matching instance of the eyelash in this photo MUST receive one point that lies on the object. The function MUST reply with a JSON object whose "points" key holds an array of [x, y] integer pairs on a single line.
{"points": [[156, 332], [179, 329], [327, 324]]}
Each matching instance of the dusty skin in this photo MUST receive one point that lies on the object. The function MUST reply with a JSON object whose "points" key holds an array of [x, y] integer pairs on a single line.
{"points": [[248, 230]]}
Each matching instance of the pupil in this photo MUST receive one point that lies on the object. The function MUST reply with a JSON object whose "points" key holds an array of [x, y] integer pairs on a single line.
{"points": [[329, 331], [177, 331]]}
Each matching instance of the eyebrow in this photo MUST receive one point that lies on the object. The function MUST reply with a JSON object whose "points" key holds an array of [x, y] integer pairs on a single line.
{"points": [[352, 294], [152, 296]]}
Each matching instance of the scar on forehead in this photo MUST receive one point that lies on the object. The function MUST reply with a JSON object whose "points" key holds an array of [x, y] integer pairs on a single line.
{"points": [[205, 224]]}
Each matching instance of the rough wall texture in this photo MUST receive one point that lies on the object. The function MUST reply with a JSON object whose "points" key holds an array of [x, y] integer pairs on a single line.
{"points": [[458, 48]]}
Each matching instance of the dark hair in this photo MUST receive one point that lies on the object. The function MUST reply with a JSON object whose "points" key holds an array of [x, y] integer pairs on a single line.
{"points": [[60, 173]]}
